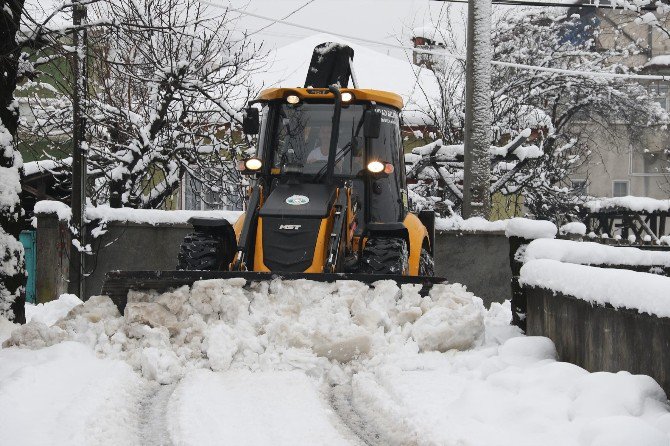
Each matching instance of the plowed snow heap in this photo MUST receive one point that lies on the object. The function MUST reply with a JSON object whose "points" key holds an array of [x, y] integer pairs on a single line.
{"points": [[321, 328]]}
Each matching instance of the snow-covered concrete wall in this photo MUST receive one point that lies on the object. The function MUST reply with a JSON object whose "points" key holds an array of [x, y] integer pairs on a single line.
{"points": [[128, 240], [601, 338]]}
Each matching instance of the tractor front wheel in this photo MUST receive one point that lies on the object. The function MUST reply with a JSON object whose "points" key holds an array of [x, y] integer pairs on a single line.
{"points": [[202, 252], [385, 255]]}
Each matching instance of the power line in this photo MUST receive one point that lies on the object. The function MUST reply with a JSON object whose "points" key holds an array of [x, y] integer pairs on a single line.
{"points": [[444, 53]]}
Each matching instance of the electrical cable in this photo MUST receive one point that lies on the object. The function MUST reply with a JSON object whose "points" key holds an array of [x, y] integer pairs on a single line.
{"points": [[444, 53]]}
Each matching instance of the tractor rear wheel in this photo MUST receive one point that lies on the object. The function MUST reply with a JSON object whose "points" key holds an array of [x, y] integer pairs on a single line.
{"points": [[202, 252], [426, 264], [385, 255]]}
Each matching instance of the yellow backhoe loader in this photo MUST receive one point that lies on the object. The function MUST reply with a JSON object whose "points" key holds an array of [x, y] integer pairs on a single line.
{"points": [[327, 197]]}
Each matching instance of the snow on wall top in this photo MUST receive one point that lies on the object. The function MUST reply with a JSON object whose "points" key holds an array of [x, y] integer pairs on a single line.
{"points": [[574, 227], [148, 216], [520, 227], [590, 253], [647, 293], [474, 224], [629, 202], [374, 70], [530, 229]]}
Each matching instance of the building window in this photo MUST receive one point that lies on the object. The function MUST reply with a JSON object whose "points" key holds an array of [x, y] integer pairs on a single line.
{"points": [[620, 188], [579, 186]]}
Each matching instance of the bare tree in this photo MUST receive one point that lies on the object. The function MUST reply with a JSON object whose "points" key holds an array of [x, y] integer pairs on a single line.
{"points": [[167, 82], [563, 111]]}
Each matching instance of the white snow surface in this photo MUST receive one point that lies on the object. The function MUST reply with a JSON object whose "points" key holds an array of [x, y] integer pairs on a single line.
{"points": [[50, 312], [591, 253], [48, 165], [520, 227], [303, 363], [149, 216], [530, 229], [629, 202], [644, 292], [574, 227], [458, 223]]}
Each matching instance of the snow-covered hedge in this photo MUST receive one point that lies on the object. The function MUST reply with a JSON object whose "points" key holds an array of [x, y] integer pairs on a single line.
{"points": [[646, 293], [590, 253], [148, 216]]}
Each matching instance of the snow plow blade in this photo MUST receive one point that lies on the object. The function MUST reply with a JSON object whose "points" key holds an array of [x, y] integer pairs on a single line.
{"points": [[118, 283]]}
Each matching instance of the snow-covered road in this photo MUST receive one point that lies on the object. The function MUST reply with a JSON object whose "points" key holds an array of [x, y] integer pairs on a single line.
{"points": [[304, 364]]}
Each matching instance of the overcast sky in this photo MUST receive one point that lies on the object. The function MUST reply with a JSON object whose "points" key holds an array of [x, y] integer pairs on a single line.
{"points": [[385, 20]]}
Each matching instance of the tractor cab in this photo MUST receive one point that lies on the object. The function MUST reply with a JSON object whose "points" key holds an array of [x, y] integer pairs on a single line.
{"points": [[301, 127]]}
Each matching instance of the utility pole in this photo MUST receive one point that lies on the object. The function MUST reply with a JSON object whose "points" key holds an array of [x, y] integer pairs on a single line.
{"points": [[79, 151], [477, 173]]}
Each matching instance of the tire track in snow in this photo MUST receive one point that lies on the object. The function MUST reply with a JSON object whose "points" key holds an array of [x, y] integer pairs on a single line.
{"points": [[153, 415]]}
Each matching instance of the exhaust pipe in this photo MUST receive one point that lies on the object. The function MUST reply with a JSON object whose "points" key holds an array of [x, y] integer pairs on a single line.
{"points": [[334, 133]]}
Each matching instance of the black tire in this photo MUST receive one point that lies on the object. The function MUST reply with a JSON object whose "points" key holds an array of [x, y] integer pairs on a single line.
{"points": [[426, 264], [385, 255], [202, 252]]}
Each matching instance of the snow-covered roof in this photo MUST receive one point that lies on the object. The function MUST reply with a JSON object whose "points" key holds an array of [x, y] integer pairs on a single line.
{"points": [[659, 61], [48, 165], [288, 68]]}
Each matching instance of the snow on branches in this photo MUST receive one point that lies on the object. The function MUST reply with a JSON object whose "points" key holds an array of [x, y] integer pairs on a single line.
{"points": [[569, 116], [166, 84]]}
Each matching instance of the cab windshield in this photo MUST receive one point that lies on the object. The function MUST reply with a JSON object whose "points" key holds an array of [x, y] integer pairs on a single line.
{"points": [[303, 138]]}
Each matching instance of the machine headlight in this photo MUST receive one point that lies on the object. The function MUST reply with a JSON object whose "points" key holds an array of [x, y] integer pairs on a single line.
{"points": [[347, 97], [292, 99], [253, 164], [376, 167]]}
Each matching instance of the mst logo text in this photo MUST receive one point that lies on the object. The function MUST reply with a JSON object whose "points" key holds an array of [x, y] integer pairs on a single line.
{"points": [[290, 227]]}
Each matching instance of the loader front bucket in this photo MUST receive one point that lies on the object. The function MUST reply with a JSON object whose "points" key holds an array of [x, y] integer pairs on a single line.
{"points": [[118, 283]]}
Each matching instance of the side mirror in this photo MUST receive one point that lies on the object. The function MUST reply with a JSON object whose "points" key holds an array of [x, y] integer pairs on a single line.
{"points": [[372, 124], [251, 121]]}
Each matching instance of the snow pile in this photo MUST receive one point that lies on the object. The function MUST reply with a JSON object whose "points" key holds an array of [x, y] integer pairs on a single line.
{"points": [[590, 253], [647, 293], [50, 312], [530, 229], [574, 227], [509, 395], [280, 325], [637, 204], [149, 216]]}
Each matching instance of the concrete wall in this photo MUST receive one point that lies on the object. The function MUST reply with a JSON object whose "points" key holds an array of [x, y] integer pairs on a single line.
{"points": [[133, 247], [52, 251], [601, 338], [125, 246], [480, 261]]}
